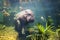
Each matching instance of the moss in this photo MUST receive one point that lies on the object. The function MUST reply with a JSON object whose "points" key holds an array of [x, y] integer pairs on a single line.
{"points": [[8, 33]]}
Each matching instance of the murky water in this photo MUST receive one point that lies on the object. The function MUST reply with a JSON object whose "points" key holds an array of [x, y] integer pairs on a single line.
{"points": [[45, 11]]}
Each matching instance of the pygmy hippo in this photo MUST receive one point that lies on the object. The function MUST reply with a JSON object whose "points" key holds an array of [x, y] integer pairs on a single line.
{"points": [[22, 19]]}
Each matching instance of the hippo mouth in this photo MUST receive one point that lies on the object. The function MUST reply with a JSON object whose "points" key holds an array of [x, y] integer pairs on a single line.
{"points": [[31, 20]]}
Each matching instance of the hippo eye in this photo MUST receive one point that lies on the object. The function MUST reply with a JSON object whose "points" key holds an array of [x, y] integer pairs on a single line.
{"points": [[28, 14]]}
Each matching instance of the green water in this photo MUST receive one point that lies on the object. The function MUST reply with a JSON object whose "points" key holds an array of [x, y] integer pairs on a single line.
{"points": [[47, 19]]}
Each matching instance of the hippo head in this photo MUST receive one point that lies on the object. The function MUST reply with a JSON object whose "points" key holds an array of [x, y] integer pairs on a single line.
{"points": [[29, 16], [25, 15]]}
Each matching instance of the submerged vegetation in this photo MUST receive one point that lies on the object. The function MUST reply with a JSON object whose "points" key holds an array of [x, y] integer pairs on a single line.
{"points": [[7, 33], [42, 33], [45, 33], [39, 33], [8, 8]]}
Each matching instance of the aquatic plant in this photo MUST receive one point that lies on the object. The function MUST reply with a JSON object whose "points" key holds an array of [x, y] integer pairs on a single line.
{"points": [[8, 33], [58, 34], [2, 26], [42, 32], [42, 29], [45, 32]]}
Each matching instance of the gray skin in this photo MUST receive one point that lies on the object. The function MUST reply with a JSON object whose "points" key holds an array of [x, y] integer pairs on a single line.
{"points": [[22, 19]]}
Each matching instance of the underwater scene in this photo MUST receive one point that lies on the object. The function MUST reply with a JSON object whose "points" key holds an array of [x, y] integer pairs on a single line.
{"points": [[29, 19]]}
